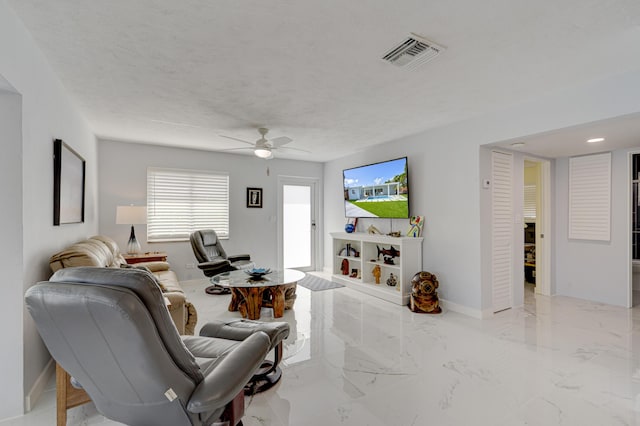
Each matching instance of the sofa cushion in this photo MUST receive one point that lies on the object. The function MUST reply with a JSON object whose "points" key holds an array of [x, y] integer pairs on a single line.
{"points": [[155, 266], [102, 251], [116, 256], [168, 281]]}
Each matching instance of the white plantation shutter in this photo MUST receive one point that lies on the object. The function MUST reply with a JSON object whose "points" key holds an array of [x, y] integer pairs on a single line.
{"points": [[182, 201], [501, 230], [530, 202], [590, 197]]}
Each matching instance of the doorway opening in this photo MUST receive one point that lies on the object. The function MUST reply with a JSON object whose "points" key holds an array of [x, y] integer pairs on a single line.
{"points": [[536, 214], [297, 213], [635, 229]]}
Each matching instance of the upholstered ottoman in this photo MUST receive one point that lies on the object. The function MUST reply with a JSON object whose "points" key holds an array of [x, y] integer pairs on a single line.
{"points": [[269, 373]]}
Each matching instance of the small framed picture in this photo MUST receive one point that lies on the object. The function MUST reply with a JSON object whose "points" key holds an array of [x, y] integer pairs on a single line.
{"points": [[254, 198]]}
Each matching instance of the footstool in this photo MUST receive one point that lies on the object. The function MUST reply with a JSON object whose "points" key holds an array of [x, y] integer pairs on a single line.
{"points": [[269, 373]]}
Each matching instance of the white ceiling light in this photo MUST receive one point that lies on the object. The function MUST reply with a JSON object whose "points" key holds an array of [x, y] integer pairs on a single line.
{"points": [[594, 140], [518, 144], [263, 152]]}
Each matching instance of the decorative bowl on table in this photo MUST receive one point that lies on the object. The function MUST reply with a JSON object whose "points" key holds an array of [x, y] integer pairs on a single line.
{"points": [[257, 273]]}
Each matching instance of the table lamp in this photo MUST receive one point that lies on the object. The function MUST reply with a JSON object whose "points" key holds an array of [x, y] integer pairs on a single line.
{"points": [[131, 215]]}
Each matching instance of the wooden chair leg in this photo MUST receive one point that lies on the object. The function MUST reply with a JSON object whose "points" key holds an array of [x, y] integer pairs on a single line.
{"points": [[61, 396], [67, 396], [235, 410]]}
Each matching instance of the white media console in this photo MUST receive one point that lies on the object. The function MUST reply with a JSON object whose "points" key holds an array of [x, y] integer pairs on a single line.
{"points": [[364, 252]]}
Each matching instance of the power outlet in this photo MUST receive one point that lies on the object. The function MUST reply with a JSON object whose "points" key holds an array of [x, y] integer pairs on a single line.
{"points": [[190, 266]]}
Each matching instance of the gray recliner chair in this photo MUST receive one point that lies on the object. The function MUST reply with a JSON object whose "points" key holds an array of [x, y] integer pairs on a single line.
{"points": [[110, 329], [213, 260]]}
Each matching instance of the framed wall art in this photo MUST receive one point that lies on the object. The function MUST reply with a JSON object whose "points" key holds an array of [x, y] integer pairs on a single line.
{"points": [[254, 198], [68, 184]]}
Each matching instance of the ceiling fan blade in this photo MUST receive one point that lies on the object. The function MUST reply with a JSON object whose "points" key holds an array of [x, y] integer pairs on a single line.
{"points": [[236, 139], [282, 140], [293, 149], [235, 149]]}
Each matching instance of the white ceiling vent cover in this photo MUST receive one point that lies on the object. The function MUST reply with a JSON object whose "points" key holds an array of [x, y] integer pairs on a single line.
{"points": [[413, 52]]}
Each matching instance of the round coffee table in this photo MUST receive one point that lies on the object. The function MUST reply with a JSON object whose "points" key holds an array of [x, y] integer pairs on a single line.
{"points": [[248, 295]]}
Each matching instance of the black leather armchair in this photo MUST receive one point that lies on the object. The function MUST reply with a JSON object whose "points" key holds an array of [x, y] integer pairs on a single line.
{"points": [[110, 329], [213, 260]]}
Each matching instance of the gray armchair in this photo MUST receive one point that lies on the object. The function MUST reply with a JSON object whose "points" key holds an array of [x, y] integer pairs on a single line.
{"points": [[110, 329], [213, 260]]}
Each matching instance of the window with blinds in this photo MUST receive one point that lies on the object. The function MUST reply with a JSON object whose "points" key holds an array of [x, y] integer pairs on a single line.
{"points": [[182, 201], [530, 203], [590, 197]]}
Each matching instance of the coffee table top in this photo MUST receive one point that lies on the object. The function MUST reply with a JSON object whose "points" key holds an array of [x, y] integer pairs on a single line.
{"points": [[242, 279]]}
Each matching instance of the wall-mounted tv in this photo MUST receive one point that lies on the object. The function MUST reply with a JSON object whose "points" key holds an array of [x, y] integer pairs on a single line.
{"points": [[377, 190]]}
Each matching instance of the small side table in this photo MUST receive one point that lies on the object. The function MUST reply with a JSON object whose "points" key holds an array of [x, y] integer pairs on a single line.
{"points": [[153, 256]]}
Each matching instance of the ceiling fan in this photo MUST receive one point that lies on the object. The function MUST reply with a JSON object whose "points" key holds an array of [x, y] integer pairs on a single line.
{"points": [[264, 147]]}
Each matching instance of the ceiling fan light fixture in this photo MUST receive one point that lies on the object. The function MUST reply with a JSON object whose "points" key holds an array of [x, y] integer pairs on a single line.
{"points": [[262, 152]]}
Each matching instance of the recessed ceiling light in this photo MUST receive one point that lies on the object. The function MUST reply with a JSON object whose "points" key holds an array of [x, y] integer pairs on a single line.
{"points": [[594, 140], [518, 144]]}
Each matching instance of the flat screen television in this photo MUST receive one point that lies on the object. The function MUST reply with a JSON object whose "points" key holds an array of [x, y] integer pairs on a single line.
{"points": [[377, 190]]}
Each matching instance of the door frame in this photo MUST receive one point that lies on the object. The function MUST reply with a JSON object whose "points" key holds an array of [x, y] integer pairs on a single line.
{"points": [[543, 226], [545, 194], [629, 179], [314, 184]]}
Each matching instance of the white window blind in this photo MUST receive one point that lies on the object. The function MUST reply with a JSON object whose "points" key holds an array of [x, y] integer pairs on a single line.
{"points": [[182, 201], [530, 202], [590, 197]]}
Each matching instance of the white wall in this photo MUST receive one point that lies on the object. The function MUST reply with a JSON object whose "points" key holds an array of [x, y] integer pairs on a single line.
{"points": [[443, 180], [445, 173], [11, 361], [595, 270], [47, 113], [123, 180]]}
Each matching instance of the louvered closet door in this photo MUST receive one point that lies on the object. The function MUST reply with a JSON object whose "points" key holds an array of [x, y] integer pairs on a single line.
{"points": [[502, 230], [590, 197]]}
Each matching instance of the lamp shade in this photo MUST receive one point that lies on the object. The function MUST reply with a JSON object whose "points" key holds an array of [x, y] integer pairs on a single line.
{"points": [[131, 215], [262, 152]]}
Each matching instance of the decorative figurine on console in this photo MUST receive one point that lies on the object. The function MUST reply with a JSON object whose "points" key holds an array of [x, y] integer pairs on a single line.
{"points": [[415, 226], [392, 281], [388, 254], [351, 225], [376, 271], [348, 250], [424, 297], [373, 230], [344, 268]]}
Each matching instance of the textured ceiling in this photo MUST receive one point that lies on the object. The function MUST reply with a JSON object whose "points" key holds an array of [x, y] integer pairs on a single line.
{"points": [[184, 72]]}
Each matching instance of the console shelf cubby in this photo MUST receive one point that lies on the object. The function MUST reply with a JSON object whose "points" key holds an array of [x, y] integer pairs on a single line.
{"points": [[361, 252]]}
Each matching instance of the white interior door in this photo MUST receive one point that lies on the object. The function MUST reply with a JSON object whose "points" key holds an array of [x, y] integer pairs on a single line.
{"points": [[543, 230], [297, 236], [502, 230], [540, 199]]}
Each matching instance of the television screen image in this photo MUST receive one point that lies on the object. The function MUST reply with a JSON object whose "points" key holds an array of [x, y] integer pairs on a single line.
{"points": [[377, 190]]}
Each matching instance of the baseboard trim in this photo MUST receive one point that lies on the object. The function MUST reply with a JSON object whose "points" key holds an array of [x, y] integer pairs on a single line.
{"points": [[38, 387], [465, 310]]}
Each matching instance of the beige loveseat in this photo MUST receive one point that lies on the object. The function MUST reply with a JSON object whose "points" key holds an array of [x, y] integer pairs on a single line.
{"points": [[102, 251]]}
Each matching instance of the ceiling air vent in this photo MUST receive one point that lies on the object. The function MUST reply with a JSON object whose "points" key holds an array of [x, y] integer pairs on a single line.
{"points": [[413, 52]]}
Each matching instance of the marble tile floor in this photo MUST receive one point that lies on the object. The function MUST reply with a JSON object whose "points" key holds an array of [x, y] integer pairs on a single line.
{"points": [[352, 359]]}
